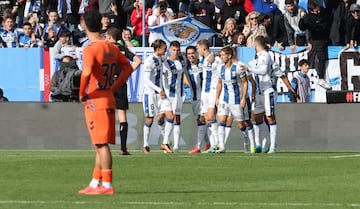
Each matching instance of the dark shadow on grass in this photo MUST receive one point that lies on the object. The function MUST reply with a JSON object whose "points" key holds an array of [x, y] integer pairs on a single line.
{"points": [[215, 191]]}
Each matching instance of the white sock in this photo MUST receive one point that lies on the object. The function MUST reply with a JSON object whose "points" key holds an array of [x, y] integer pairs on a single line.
{"points": [[202, 131], [169, 124], [250, 133], [256, 134], [162, 129], [214, 134], [211, 138], [94, 183], [176, 135], [264, 132], [221, 135], [227, 133], [146, 134], [273, 133], [245, 136], [107, 184]]}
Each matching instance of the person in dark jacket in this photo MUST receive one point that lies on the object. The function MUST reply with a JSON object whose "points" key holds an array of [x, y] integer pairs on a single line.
{"points": [[340, 16], [317, 22], [353, 27], [203, 11]]}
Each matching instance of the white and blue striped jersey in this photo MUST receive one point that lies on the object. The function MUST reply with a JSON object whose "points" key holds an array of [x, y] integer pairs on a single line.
{"points": [[262, 67], [231, 83], [194, 74], [10, 39], [173, 75], [153, 66], [210, 74]]}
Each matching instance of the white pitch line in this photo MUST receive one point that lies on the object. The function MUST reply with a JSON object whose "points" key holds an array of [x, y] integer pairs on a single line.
{"points": [[286, 204], [345, 156]]}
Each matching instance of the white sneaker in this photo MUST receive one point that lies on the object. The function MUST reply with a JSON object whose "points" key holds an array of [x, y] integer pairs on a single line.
{"points": [[324, 84], [175, 149], [221, 150]]}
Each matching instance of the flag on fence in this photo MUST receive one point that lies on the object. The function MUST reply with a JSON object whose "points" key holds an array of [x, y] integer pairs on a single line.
{"points": [[185, 30]]}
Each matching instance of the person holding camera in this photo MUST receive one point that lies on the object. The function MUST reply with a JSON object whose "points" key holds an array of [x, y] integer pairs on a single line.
{"points": [[161, 14]]}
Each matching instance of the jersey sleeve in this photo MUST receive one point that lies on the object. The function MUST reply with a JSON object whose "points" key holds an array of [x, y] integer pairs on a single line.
{"points": [[148, 65]]}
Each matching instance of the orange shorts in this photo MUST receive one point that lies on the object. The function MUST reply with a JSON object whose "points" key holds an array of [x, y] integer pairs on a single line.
{"points": [[101, 125]]}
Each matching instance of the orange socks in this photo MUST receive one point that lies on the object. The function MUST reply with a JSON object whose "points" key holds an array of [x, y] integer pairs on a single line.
{"points": [[107, 178]]}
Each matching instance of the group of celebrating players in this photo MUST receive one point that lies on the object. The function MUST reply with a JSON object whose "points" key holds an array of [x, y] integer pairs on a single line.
{"points": [[220, 95]]}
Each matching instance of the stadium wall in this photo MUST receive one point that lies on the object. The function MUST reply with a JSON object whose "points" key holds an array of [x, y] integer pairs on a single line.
{"points": [[302, 127]]}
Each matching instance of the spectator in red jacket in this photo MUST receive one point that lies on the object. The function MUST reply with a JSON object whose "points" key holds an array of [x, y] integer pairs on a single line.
{"points": [[136, 22]]}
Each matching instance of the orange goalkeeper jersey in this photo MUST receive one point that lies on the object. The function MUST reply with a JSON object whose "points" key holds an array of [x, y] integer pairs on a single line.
{"points": [[102, 61]]}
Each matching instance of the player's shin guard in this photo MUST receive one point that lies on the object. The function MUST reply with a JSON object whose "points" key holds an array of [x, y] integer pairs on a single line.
{"points": [[146, 134], [264, 133], [202, 132], [246, 140], [214, 138], [169, 124], [256, 134], [176, 135], [273, 134], [221, 135], [227, 133], [250, 133], [123, 135]]}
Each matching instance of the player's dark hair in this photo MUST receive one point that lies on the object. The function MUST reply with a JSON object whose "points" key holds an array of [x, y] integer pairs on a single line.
{"points": [[175, 44], [1, 92], [228, 50], [303, 62], [204, 42], [114, 33], [189, 48], [158, 43], [261, 40], [93, 21]]}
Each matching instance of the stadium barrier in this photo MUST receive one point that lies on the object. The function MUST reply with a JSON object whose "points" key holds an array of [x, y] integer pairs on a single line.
{"points": [[26, 73], [302, 127]]}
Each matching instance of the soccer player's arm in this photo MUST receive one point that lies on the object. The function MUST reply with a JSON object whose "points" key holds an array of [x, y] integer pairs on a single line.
{"points": [[126, 70], [289, 86], [218, 90], [244, 89], [253, 87], [88, 62], [148, 66]]}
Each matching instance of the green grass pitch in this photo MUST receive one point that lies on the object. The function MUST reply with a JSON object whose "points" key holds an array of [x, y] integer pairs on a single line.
{"points": [[51, 179]]}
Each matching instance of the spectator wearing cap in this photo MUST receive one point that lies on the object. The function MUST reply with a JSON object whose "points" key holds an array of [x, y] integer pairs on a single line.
{"points": [[295, 36], [2, 97], [353, 26], [340, 16]]}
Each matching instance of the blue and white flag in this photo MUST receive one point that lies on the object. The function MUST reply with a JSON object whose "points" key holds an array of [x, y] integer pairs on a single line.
{"points": [[186, 30]]}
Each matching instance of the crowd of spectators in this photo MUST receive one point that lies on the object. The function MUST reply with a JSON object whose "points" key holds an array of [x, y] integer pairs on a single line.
{"points": [[40, 23]]}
